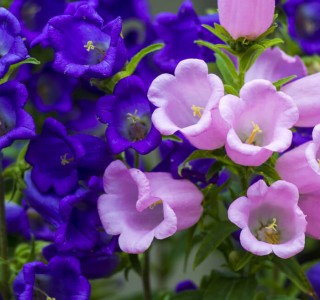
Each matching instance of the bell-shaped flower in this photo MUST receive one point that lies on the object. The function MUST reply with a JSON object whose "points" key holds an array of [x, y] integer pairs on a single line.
{"points": [[141, 206], [188, 102], [301, 166], [270, 219], [260, 122], [246, 18]]}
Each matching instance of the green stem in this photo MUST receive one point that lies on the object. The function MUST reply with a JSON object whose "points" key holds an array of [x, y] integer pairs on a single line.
{"points": [[136, 160], [4, 267], [146, 277]]}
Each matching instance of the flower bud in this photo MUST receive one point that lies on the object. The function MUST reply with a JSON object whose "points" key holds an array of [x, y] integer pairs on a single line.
{"points": [[246, 18]]}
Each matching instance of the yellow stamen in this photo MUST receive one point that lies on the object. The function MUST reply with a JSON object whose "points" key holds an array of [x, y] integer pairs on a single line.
{"points": [[256, 129], [154, 204], [197, 111], [64, 160], [271, 234], [89, 46], [133, 117]]}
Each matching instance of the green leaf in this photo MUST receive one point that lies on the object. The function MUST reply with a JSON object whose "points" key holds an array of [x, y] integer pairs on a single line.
{"points": [[188, 295], [270, 43], [295, 273], [30, 60], [268, 172], [244, 259], [279, 83], [228, 69], [173, 138], [219, 32], [217, 234], [135, 263], [248, 58], [109, 84], [230, 90]]}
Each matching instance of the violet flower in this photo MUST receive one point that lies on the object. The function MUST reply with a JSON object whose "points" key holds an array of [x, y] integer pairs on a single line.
{"points": [[15, 122], [188, 102], [128, 115], [12, 48], [141, 206], [260, 121], [84, 45], [270, 219]]}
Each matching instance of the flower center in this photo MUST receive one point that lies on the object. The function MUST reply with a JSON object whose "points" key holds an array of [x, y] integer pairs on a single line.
{"points": [[269, 233], [43, 293], [256, 129], [197, 111], [153, 205], [65, 160], [89, 46], [138, 129], [4, 128]]}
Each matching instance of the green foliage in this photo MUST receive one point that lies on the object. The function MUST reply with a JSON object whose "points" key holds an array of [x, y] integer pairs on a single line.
{"points": [[278, 84]]}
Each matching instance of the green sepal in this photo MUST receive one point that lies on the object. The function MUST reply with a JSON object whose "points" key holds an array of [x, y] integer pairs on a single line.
{"points": [[12, 68], [279, 83], [109, 84]]}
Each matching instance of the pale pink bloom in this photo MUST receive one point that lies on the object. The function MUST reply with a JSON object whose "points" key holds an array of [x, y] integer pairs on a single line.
{"points": [[310, 205], [260, 122], [270, 219], [274, 64], [246, 18], [301, 166], [141, 206], [188, 102], [305, 92]]}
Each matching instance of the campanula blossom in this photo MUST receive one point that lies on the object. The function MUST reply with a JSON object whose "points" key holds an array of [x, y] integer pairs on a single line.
{"points": [[188, 102], [142, 206], [246, 19], [270, 219], [260, 121]]}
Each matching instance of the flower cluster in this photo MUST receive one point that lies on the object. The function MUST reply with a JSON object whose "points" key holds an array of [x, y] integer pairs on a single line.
{"points": [[118, 129]]}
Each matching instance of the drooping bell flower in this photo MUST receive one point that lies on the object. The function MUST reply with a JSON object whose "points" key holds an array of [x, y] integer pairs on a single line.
{"points": [[12, 48], [301, 166], [142, 206], [128, 115], [260, 121], [84, 45], [270, 219], [247, 18], [188, 102], [15, 122]]}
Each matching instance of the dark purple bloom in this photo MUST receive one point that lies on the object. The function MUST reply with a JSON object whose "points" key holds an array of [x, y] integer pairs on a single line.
{"points": [[54, 156], [15, 123], [179, 33], [128, 115], [313, 275], [17, 219], [84, 45], [12, 48], [34, 14], [60, 279], [186, 285], [51, 91], [304, 23]]}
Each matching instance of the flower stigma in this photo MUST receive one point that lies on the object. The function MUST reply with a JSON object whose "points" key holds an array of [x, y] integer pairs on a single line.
{"points": [[256, 129], [89, 46], [269, 233], [197, 111], [65, 160]]}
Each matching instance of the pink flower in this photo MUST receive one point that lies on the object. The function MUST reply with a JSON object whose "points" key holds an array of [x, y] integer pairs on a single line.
{"points": [[140, 206], [270, 219], [246, 18], [260, 122], [301, 166], [274, 64], [188, 102]]}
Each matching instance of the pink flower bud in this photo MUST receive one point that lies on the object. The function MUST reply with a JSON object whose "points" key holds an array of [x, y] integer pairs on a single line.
{"points": [[246, 18]]}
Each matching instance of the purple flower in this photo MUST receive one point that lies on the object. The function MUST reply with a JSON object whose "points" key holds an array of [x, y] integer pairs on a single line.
{"points": [[15, 122], [54, 157], [248, 18], [141, 206], [304, 23], [128, 115], [60, 279], [270, 219], [84, 46], [254, 135], [179, 33], [188, 102], [12, 48], [34, 15], [186, 285], [313, 275], [17, 220]]}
